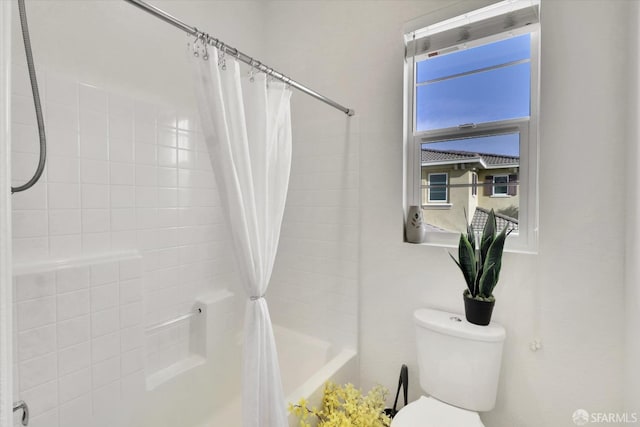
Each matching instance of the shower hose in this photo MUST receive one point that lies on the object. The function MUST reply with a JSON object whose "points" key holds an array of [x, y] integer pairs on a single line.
{"points": [[36, 101]]}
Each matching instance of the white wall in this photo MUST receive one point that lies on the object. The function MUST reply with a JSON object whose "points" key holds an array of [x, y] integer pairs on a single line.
{"points": [[314, 287], [570, 295], [315, 281], [632, 269], [113, 44]]}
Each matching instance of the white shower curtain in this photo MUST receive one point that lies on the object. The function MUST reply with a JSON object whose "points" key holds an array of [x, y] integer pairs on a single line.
{"points": [[247, 128]]}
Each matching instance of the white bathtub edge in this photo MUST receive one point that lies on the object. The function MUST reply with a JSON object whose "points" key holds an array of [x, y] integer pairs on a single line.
{"points": [[162, 376], [317, 380]]}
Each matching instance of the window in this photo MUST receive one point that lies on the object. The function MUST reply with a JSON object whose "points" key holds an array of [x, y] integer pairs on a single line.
{"points": [[474, 184], [482, 84], [500, 185], [438, 190], [503, 185], [472, 118]]}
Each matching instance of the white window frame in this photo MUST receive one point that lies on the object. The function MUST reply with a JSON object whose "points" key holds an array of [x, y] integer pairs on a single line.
{"points": [[526, 239], [446, 194]]}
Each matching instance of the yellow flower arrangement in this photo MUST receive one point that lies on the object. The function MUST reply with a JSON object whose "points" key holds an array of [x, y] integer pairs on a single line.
{"points": [[344, 406]]}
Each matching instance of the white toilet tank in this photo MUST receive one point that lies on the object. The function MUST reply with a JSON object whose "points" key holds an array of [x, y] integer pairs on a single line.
{"points": [[459, 362]]}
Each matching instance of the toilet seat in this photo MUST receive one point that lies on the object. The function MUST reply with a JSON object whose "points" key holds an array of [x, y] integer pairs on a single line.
{"points": [[430, 412]]}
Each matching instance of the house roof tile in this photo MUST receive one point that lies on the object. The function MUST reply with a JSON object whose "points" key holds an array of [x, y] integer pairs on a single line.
{"points": [[435, 156], [481, 215]]}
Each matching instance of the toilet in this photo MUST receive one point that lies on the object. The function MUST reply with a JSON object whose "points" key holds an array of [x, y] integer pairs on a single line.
{"points": [[459, 367]]}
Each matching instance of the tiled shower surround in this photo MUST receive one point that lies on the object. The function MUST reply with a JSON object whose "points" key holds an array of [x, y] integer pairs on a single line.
{"points": [[123, 177], [315, 280], [129, 178], [79, 341]]}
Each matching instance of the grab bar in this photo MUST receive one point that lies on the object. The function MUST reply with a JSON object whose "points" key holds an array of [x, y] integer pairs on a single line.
{"points": [[195, 312], [21, 404]]}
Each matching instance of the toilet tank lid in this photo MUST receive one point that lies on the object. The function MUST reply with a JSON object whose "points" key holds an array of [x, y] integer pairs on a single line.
{"points": [[456, 325]]}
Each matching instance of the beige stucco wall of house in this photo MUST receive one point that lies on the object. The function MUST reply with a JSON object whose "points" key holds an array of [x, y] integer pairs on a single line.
{"points": [[451, 215]]}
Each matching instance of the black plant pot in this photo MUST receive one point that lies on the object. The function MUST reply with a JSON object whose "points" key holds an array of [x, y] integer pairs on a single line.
{"points": [[478, 312]]}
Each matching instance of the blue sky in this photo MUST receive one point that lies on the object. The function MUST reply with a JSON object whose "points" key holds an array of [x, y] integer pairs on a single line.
{"points": [[485, 96]]}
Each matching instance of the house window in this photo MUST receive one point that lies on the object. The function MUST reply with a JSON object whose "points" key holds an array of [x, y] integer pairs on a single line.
{"points": [[472, 116], [503, 185], [437, 188], [500, 185], [474, 184]]}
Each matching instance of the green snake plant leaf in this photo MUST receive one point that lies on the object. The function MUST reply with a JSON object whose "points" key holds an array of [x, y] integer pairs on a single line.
{"points": [[488, 280], [488, 236], [466, 262], [494, 259], [471, 235]]}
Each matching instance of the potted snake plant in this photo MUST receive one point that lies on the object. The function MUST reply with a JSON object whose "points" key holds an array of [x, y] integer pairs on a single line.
{"points": [[480, 267]]}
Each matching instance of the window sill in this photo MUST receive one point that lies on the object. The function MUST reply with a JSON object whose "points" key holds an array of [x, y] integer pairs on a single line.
{"points": [[437, 206], [500, 196], [451, 243]]}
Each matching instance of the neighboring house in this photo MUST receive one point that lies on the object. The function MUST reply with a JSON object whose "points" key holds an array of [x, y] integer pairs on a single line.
{"points": [[455, 182]]}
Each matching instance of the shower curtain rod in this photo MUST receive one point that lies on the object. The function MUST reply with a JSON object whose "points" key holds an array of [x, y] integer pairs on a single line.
{"points": [[159, 13]]}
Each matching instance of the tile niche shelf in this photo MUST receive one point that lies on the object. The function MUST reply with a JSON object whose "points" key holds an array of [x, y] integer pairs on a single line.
{"points": [[182, 343]]}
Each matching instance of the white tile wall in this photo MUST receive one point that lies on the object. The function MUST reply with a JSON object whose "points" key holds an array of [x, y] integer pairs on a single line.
{"points": [[70, 328], [122, 174], [314, 286], [116, 166]]}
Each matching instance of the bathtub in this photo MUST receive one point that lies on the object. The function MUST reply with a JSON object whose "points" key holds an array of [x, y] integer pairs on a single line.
{"points": [[306, 363]]}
